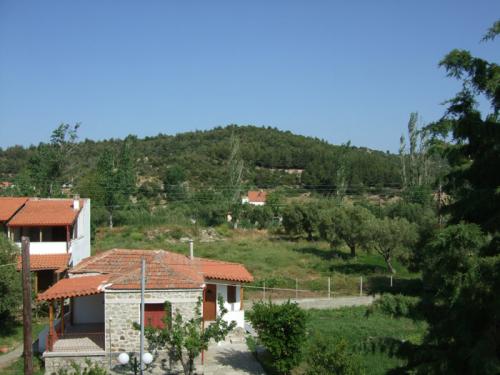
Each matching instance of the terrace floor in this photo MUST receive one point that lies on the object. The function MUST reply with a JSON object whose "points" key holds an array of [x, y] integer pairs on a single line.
{"points": [[81, 338]]}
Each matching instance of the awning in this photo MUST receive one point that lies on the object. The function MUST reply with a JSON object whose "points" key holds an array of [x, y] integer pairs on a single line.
{"points": [[40, 262], [75, 287]]}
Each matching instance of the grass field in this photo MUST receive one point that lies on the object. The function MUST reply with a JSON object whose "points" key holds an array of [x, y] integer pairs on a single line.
{"points": [[362, 333], [18, 367], [270, 258]]}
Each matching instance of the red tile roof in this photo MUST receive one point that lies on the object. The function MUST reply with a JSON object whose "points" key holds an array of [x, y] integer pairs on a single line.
{"points": [[121, 269], [164, 269], [215, 269], [45, 212], [75, 287], [257, 196], [39, 262], [9, 206]]}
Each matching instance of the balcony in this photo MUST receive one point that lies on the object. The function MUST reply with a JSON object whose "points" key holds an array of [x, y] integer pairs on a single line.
{"points": [[58, 247]]}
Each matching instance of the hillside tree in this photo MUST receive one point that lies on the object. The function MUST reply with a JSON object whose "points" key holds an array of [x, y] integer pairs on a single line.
{"points": [[461, 264], [348, 224], [392, 239]]}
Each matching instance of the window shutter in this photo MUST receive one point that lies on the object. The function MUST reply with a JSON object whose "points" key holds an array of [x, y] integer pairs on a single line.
{"points": [[231, 293], [154, 314]]}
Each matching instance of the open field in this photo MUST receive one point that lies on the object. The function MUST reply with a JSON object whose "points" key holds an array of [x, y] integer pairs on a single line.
{"points": [[277, 261]]}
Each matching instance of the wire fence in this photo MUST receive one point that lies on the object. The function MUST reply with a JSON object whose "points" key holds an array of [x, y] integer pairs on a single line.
{"points": [[329, 287]]}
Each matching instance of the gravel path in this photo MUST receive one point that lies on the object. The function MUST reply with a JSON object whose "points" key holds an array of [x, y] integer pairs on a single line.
{"points": [[325, 303], [10, 357]]}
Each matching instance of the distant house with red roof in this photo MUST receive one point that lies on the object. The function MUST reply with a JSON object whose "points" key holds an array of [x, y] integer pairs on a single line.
{"points": [[256, 198], [6, 185], [104, 295], [58, 229]]}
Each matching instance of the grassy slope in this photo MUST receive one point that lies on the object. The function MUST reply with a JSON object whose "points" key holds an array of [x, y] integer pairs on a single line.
{"points": [[361, 331], [269, 258], [18, 367]]}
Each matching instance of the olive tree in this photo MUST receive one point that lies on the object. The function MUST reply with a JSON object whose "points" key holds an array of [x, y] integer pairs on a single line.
{"points": [[349, 224], [392, 238]]}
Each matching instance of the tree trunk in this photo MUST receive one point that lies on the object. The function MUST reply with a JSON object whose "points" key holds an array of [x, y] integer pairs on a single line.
{"points": [[389, 265], [111, 220], [353, 250], [309, 236]]}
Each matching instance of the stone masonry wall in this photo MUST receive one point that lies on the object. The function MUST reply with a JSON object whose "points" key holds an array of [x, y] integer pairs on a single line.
{"points": [[122, 309], [54, 364]]}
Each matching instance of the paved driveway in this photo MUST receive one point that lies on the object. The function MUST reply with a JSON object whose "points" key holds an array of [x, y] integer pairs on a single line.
{"points": [[231, 358]]}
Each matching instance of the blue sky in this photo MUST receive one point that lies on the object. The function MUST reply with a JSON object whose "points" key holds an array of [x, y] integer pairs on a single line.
{"points": [[336, 70]]}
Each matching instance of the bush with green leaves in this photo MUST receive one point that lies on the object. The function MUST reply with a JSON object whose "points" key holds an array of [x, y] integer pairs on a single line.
{"points": [[395, 305], [90, 368], [281, 330], [10, 281], [331, 357]]}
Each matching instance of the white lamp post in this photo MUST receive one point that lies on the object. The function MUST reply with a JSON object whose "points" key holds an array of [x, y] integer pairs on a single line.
{"points": [[124, 359], [147, 358]]}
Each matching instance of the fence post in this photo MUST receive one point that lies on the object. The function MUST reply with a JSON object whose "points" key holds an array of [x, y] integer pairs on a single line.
{"points": [[264, 291], [360, 286], [391, 281], [296, 289], [329, 282]]}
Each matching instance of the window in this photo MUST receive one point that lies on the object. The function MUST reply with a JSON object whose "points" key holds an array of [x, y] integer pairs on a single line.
{"points": [[155, 313], [231, 293]]}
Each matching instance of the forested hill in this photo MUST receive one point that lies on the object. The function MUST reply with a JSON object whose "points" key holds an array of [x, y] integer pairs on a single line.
{"points": [[270, 158]]}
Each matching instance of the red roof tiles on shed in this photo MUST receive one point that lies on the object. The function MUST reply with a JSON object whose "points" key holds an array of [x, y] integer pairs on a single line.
{"points": [[216, 269], [164, 269], [39, 262], [75, 287], [257, 196], [46, 212], [9, 206]]}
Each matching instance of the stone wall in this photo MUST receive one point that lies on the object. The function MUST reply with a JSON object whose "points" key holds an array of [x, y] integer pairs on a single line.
{"points": [[122, 310], [54, 364]]}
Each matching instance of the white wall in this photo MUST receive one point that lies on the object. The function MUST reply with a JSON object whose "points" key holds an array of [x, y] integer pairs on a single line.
{"points": [[88, 309], [234, 312], [46, 247], [80, 247]]}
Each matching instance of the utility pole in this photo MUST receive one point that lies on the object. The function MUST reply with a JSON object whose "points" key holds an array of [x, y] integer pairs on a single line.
{"points": [[28, 338], [143, 282]]}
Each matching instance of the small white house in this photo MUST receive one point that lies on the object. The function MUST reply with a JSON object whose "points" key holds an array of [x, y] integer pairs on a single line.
{"points": [[256, 198], [104, 301]]}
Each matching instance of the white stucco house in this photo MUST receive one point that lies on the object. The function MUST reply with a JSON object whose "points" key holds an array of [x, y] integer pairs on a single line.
{"points": [[255, 198], [104, 301], [58, 229]]}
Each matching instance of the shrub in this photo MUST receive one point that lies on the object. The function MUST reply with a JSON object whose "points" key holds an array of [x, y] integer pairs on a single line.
{"points": [[281, 330], [395, 305], [331, 357], [10, 282], [89, 369]]}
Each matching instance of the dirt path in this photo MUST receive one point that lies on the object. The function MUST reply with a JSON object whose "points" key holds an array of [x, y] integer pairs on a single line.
{"points": [[10, 357]]}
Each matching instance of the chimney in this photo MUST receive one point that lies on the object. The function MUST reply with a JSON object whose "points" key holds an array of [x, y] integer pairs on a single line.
{"points": [[76, 202], [191, 249]]}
